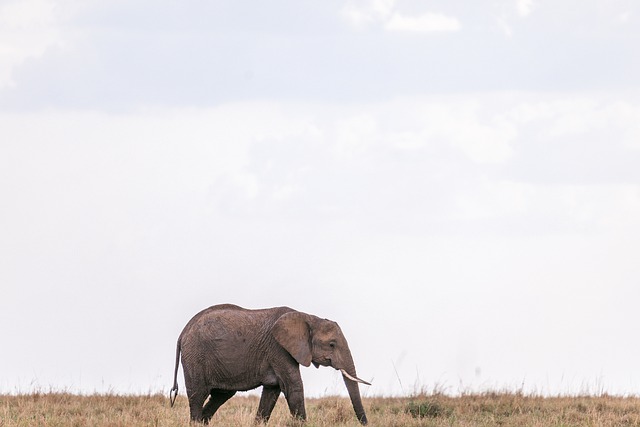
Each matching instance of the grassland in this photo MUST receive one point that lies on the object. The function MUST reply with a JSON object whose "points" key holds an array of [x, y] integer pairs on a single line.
{"points": [[489, 409]]}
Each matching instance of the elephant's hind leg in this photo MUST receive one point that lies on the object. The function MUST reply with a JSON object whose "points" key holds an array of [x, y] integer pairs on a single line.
{"points": [[196, 400], [218, 397], [267, 403]]}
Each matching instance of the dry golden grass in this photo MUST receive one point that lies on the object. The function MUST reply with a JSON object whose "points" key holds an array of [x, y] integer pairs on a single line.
{"points": [[489, 409]]}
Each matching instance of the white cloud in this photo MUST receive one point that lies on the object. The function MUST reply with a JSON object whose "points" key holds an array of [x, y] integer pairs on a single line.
{"points": [[626, 117], [493, 199], [408, 140], [27, 29], [504, 26], [508, 13], [461, 126], [427, 22], [360, 14], [355, 135], [589, 208], [384, 13], [26, 13], [524, 7], [570, 116]]}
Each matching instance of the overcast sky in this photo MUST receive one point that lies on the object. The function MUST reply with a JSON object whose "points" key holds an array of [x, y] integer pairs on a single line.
{"points": [[456, 183]]}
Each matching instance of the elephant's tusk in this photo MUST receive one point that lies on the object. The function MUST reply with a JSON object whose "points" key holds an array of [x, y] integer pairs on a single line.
{"points": [[352, 378]]}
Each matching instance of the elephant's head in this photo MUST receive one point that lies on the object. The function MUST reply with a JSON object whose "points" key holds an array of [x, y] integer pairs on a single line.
{"points": [[309, 339]]}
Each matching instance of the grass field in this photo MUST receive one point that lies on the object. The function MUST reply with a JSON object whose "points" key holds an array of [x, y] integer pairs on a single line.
{"points": [[489, 409]]}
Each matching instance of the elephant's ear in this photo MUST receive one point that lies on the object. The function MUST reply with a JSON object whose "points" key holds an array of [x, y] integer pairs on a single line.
{"points": [[293, 333]]}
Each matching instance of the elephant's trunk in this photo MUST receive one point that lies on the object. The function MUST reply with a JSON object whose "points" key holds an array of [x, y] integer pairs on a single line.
{"points": [[350, 381]]}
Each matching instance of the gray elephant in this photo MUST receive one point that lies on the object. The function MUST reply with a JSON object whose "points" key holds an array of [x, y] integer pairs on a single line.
{"points": [[226, 348]]}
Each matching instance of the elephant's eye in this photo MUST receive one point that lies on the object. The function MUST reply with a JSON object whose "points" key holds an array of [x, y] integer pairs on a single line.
{"points": [[332, 344]]}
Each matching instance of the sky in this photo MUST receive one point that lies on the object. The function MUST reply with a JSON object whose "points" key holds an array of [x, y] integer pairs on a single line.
{"points": [[457, 184]]}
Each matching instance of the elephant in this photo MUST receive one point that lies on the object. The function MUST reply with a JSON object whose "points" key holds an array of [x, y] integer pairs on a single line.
{"points": [[226, 348]]}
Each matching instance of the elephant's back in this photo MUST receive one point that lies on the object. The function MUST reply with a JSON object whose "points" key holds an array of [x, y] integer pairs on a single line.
{"points": [[228, 323]]}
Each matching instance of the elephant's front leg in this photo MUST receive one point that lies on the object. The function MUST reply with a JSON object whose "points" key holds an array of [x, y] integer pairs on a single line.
{"points": [[267, 403], [295, 400]]}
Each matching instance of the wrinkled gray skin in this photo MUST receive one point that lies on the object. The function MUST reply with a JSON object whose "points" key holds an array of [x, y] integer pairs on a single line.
{"points": [[226, 348]]}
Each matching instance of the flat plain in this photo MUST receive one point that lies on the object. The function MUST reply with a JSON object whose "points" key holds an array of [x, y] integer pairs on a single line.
{"points": [[487, 409]]}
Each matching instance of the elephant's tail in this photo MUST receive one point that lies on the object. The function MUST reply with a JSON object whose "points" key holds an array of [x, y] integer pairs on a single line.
{"points": [[173, 394]]}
